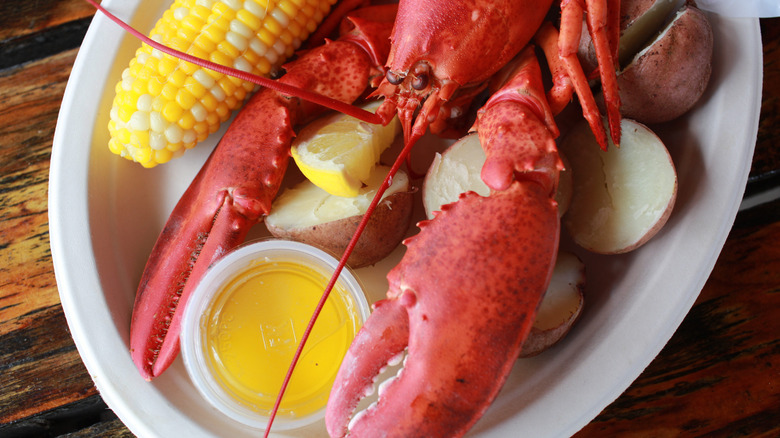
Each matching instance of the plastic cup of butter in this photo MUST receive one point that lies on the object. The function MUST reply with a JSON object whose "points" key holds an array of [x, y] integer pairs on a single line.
{"points": [[244, 322]]}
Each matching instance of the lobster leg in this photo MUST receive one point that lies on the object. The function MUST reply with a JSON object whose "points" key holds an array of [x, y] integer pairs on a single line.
{"points": [[465, 326], [234, 189], [603, 23]]}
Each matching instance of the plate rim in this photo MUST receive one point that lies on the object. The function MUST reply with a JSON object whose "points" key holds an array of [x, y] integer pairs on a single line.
{"points": [[65, 233]]}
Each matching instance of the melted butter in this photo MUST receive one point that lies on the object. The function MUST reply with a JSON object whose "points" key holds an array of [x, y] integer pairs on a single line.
{"points": [[256, 324]]}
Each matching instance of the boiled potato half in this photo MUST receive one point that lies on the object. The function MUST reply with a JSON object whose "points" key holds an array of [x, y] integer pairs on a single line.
{"points": [[561, 306], [623, 196], [668, 77], [457, 170], [308, 214]]}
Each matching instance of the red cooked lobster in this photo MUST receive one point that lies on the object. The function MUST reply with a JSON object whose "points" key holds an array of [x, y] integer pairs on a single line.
{"points": [[462, 300]]}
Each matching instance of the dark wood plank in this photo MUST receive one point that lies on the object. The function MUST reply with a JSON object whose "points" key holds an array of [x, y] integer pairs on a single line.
{"points": [[719, 374], [765, 171], [21, 18], [89, 417], [32, 30], [40, 368]]}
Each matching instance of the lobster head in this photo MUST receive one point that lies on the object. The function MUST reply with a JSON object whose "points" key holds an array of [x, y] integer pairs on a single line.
{"points": [[439, 48]]}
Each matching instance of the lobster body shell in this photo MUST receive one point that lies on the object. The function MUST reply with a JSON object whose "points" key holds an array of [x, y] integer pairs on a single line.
{"points": [[460, 45]]}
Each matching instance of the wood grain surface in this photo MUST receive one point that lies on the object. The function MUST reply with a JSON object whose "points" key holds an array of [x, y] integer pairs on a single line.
{"points": [[719, 375]]}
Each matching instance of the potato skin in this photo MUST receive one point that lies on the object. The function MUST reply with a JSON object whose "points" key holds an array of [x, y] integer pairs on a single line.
{"points": [[385, 230], [667, 79], [548, 330], [539, 341]]}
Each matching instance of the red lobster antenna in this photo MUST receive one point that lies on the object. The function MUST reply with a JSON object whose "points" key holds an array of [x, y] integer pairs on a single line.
{"points": [[319, 99], [327, 102], [340, 267]]}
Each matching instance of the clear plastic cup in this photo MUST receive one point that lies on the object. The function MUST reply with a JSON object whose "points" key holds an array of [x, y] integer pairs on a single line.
{"points": [[199, 336]]}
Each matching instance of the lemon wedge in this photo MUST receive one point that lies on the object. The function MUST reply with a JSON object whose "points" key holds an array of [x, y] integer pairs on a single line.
{"points": [[337, 152]]}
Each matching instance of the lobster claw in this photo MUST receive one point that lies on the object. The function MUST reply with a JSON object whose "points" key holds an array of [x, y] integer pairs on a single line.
{"points": [[216, 212], [464, 297], [465, 328], [234, 189]]}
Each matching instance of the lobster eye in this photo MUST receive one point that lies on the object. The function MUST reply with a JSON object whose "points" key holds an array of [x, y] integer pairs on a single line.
{"points": [[420, 82], [393, 77]]}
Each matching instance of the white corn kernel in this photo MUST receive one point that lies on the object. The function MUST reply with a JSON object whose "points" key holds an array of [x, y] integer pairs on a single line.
{"points": [[157, 122], [237, 40], [242, 64], [240, 28], [189, 136], [254, 8], [139, 121], [157, 141], [203, 78], [144, 103], [173, 133], [258, 46], [281, 17], [233, 4], [218, 93], [199, 112], [180, 13]]}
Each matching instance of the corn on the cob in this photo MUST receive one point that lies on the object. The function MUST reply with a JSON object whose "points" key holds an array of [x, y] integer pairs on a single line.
{"points": [[164, 106]]}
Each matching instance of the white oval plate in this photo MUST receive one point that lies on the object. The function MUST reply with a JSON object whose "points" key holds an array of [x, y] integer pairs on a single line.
{"points": [[105, 214]]}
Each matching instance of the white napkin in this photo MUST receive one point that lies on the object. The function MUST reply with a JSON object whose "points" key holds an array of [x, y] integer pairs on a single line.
{"points": [[742, 8]]}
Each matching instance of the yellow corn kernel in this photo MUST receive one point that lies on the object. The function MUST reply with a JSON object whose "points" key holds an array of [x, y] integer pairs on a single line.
{"points": [[209, 102], [220, 58], [227, 85], [229, 51], [213, 120], [216, 30], [273, 26], [185, 99], [140, 139], [125, 112], [162, 156], [177, 78], [154, 86], [201, 128], [186, 34], [193, 23], [166, 66], [188, 68], [264, 66], [186, 121], [222, 10], [172, 111], [194, 87], [232, 102], [252, 21]]}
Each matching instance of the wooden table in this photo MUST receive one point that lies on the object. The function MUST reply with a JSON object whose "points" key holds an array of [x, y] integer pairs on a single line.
{"points": [[718, 376]]}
